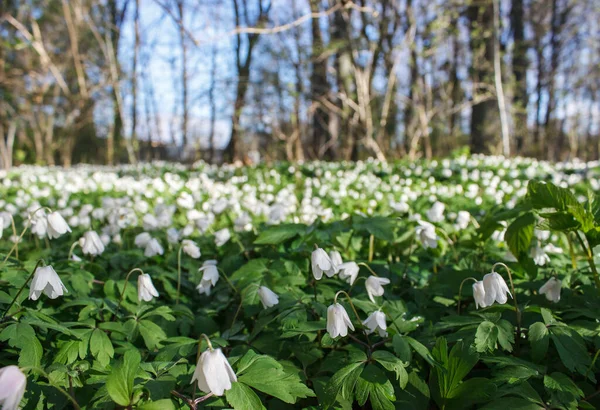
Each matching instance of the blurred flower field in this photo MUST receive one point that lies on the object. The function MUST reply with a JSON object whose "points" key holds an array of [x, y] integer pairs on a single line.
{"points": [[466, 283]]}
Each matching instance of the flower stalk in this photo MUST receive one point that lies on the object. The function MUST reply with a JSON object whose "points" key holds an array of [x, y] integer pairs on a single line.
{"points": [[124, 288], [23, 287]]}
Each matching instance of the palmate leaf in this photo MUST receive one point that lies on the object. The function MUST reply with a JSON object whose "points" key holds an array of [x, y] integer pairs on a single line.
{"points": [[242, 397], [275, 235], [342, 383], [265, 374], [22, 336], [119, 383], [101, 347], [518, 237], [375, 386]]}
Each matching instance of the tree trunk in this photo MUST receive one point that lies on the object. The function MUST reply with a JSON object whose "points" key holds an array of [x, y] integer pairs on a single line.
{"points": [[519, 71], [319, 86], [481, 40]]}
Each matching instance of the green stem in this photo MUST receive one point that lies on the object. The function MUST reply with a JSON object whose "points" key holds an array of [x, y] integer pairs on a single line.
{"points": [[460, 290], [353, 309], [72, 249], [124, 288], [14, 229], [27, 225], [371, 247], [178, 273], [23, 287], [368, 267], [227, 280], [514, 294], [590, 259], [571, 251]]}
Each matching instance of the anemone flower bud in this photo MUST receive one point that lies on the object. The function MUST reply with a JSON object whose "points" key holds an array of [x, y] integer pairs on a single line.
{"points": [[190, 248], [146, 289], [222, 237], [12, 387], [213, 372], [321, 262], [268, 298], [338, 321], [210, 277], [376, 322], [57, 225], [336, 260], [374, 286], [348, 271], [153, 248], [551, 289], [426, 234], [46, 280], [495, 289], [479, 294], [91, 244]]}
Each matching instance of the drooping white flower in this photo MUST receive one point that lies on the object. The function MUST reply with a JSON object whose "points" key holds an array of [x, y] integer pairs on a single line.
{"points": [[551, 289], [479, 294], [268, 298], [214, 373], [541, 235], [39, 225], [46, 280], [153, 248], [321, 262], [551, 248], [210, 277], [426, 234], [539, 255], [495, 289], [91, 244], [57, 225], [222, 237], [336, 260], [12, 387], [172, 236], [338, 321], [190, 248], [436, 212], [142, 239], [376, 322], [146, 289], [462, 220], [348, 271], [374, 286]]}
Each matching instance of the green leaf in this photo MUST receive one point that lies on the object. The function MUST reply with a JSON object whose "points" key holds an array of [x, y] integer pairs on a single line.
{"points": [[152, 334], [422, 351], [164, 404], [539, 340], [571, 349], [280, 233], [379, 226], [393, 364], [401, 348], [512, 403], [543, 195], [374, 385], [486, 337], [506, 334], [342, 383], [268, 376], [101, 347], [22, 336], [241, 397], [119, 382], [519, 234]]}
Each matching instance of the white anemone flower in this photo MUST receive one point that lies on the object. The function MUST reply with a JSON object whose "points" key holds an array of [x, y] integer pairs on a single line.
{"points": [[190, 248], [426, 234], [338, 321], [210, 276], [142, 239], [46, 280], [146, 289], [336, 260], [91, 244], [222, 237], [213, 372], [551, 289], [12, 387], [479, 294], [321, 262], [374, 286], [268, 298], [153, 248], [348, 271], [376, 322], [462, 220], [57, 225], [495, 289], [436, 212], [539, 255]]}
